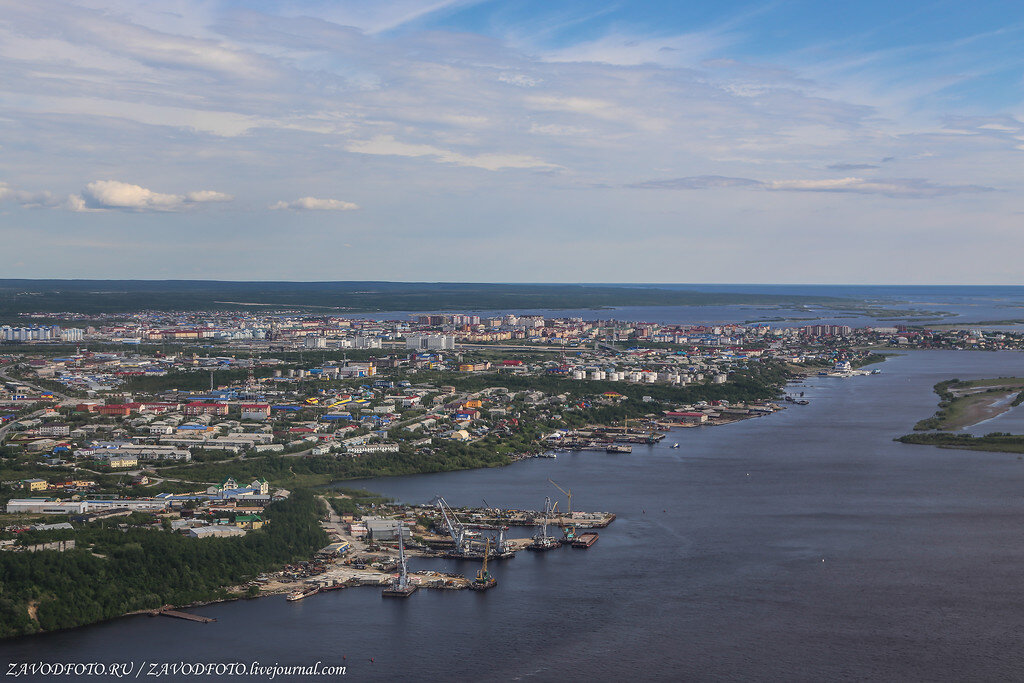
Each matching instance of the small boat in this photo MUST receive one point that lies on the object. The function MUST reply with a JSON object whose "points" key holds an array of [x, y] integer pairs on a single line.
{"points": [[675, 445], [300, 594]]}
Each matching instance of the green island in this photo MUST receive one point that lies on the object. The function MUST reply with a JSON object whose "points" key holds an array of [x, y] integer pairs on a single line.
{"points": [[965, 403]]}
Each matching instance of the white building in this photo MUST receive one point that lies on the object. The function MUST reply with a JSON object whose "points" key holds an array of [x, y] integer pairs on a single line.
{"points": [[216, 531], [372, 448], [430, 342], [72, 334]]}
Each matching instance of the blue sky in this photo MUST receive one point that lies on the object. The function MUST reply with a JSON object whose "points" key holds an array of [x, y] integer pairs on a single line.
{"points": [[862, 142]]}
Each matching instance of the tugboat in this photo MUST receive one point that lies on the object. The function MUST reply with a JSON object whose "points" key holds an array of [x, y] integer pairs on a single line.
{"points": [[484, 580], [400, 587], [541, 540]]}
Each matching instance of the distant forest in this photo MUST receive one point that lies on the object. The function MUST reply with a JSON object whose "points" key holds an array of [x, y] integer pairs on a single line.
{"points": [[121, 296]]}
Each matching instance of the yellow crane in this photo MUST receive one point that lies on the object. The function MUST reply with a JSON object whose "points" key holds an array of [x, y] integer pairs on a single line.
{"points": [[568, 494], [482, 575]]}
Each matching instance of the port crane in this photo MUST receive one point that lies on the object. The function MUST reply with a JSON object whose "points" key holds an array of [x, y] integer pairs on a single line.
{"points": [[456, 529], [481, 574], [463, 540], [568, 494], [569, 530], [541, 540], [403, 577], [400, 587], [483, 579]]}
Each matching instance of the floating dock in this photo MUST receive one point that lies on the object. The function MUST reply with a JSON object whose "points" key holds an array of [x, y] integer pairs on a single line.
{"points": [[398, 592]]}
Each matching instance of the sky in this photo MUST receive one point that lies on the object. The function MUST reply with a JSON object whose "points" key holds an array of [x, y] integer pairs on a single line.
{"points": [[792, 141]]}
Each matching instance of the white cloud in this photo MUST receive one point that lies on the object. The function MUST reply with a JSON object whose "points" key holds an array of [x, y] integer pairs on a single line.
{"points": [[557, 130], [207, 196], [892, 187], [316, 204], [31, 200], [102, 195], [387, 145], [325, 95], [521, 80]]}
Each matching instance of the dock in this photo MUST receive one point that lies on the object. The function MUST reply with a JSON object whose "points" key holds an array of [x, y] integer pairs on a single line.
{"points": [[168, 612]]}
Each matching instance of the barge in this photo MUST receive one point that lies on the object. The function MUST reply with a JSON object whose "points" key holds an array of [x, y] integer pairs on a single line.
{"points": [[585, 540]]}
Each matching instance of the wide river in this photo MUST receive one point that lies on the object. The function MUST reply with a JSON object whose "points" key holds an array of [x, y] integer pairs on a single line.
{"points": [[806, 545]]}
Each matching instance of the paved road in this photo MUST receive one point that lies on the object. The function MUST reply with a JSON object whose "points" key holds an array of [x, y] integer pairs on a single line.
{"points": [[64, 398]]}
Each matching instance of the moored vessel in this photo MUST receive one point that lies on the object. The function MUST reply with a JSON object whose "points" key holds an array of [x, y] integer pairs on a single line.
{"points": [[585, 540], [300, 594]]}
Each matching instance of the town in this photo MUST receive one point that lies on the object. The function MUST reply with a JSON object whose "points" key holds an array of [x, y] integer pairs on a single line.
{"points": [[129, 408], [198, 425]]}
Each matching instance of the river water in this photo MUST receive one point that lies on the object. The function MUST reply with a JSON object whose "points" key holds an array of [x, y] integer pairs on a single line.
{"points": [[806, 545]]}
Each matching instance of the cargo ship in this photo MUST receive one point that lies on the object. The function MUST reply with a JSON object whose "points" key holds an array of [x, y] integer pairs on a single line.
{"points": [[300, 594], [585, 540]]}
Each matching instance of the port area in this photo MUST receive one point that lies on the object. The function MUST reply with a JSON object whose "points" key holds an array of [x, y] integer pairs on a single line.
{"points": [[370, 562]]}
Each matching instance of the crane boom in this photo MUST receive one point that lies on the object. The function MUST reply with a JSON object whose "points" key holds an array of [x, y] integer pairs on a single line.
{"points": [[568, 494], [456, 529], [482, 575]]}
